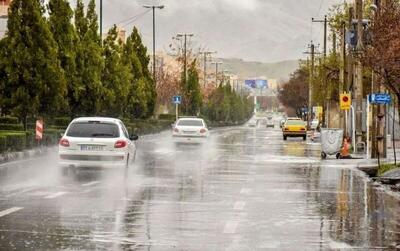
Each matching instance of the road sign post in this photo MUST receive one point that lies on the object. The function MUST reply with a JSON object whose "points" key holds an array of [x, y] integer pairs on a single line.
{"points": [[345, 101], [39, 130], [380, 98], [177, 100]]}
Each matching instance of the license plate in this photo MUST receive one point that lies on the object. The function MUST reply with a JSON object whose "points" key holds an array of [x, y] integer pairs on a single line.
{"points": [[189, 132], [91, 148]]}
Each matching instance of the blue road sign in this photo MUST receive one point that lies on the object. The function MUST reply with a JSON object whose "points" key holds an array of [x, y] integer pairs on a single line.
{"points": [[251, 83], [177, 100], [380, 98], [262, 83]]}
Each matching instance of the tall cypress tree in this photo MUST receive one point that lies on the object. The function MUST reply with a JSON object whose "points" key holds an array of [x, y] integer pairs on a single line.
{"points": [[137, 100], [116, 76], [60, 15], [89, 60], [193, 91], [34, 72], [150, 89]]}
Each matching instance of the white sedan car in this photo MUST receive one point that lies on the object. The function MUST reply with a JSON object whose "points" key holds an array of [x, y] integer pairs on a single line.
{"points": [[96, 142], [190, 130]]}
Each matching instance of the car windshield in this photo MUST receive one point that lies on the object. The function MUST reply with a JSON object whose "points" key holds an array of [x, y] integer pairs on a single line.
{"points": [[190, 122], [295, 122], [93, 130]]}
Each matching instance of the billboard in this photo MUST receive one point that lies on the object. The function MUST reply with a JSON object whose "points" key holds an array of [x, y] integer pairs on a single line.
{"points": [[256, 83]]}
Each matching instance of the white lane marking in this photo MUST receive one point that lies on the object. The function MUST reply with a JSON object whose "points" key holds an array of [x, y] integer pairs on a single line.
{"points": [[230, 227], [90, 183], [10, 211], [239, 205], [55, 195]]}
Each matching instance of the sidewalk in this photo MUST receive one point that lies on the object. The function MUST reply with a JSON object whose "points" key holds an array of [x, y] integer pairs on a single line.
{"points": [[13, 156]]}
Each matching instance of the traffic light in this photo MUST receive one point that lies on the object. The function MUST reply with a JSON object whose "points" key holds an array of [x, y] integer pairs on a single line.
{"points": [[345, 101]]}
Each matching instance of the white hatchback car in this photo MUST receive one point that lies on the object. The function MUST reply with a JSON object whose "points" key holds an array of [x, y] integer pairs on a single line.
{"points": [[190, 130], [96, 142]]}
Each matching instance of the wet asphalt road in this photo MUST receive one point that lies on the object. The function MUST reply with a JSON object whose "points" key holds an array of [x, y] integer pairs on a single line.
{"points": [[246, 189]]}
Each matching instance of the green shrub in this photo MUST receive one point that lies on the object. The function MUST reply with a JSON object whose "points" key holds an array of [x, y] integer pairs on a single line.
{"points": [[386, 167], [3, 146], [167, 117], [14, 141], [8, 120], [62, 121], [57, 127], [12, 127]]}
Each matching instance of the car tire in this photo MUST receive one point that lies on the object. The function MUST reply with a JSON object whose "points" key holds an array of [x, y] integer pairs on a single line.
{"points": [[284, 137], [304, 138], [323, 155]]}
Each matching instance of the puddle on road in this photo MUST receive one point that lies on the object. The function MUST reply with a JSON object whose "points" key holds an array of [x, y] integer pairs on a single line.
{"points": [[290, 201]]}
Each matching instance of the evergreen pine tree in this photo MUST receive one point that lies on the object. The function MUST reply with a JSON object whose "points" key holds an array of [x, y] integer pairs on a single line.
{"points": [[193, 90], [89, 61], [117, 77], [34, 72], [150, 89], [60, 15]]}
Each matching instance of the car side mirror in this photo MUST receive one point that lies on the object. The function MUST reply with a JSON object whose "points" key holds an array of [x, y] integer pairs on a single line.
{"points": [[134, 137]]}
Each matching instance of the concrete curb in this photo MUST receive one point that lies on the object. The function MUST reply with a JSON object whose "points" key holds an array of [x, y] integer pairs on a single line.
{"points": [[13, 156]]}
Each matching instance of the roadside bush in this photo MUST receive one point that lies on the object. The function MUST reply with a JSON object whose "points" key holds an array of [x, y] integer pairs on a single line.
{"points": [[15, 141], [386, 167], [8, 120], [12, 127], [3, 146], [167, 117], [62, 122]]}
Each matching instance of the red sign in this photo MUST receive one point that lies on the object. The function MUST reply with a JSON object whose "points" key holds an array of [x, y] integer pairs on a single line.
{"points": [[39, 129]]}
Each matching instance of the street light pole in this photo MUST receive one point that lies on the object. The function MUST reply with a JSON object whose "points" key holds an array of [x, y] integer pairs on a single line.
{"points": [[328, 89], [154, 7]]}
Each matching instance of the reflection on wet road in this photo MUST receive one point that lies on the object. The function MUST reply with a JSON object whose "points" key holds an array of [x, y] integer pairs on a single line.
{"points": [[246, 189]]}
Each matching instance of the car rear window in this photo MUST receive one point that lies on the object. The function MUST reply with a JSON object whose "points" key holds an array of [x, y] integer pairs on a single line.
{"points": [[295, 122], [93, 130], [190, 122]]}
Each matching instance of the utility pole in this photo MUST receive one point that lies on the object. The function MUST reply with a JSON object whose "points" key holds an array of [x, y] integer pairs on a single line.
{"points": [[185, 36], [342, 76], [327, 88], [216, 71], [381, 111], [311, 82], [358, 87], [206, 53], [154, 7]]}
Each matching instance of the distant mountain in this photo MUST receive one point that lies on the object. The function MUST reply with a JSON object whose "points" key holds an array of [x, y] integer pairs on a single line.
{"points": [[245, 69]]}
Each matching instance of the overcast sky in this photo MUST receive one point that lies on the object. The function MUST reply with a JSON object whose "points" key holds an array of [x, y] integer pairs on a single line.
{"points": [[259, 30]]}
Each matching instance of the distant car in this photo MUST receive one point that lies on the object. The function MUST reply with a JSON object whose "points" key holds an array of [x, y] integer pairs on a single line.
{"points": [[190, 130], [252, 123], [96, 142], [270, 122], [294, 128]]}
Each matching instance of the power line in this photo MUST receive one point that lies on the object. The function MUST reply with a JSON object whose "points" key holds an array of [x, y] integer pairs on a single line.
{"points": [[132, 19]]}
